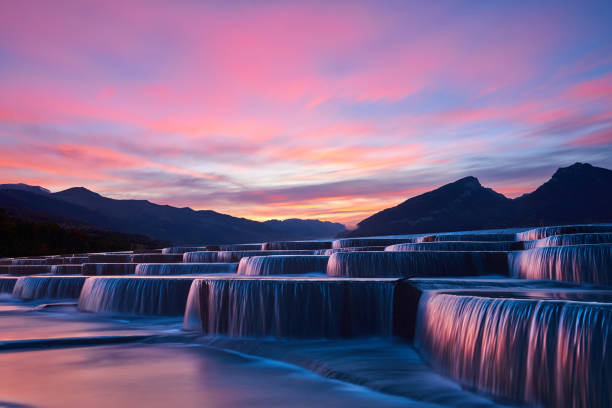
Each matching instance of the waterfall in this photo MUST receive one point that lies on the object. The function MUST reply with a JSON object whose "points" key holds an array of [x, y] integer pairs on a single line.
{"points": [[97, 269], [110, 258], [289, 245], [43, 287], [185, 269], [282, 264], [29, 269], [135, 295], [328, 252], [371, 241], [457, 246], [543, 352], [7, 284], [240, 247], [76, 260], [156, 258], [573, 239], [235, 256], [182, 250], [65, 269], [37, 261], [439, 263], [294, 308], [469, 237], [576, 263], [543, 232], [200, 256]]}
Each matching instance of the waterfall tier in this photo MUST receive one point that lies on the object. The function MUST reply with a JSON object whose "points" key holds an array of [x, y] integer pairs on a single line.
{"points": [[543, 232], [576, 263], [371, 241], [542, 352], [438, 263], [69, 269], [457, 246], [289, 245], [236, 256], [328, 252], [52, 287], [492, 237], [239, 247], [182, 250], [282, 265], [156, 258], [200, 256], [572, 239], [135, 295], [37, 261], [7, 284], [22, 270], [110, 258], [291, 308], [100, 269], [185, 269]]}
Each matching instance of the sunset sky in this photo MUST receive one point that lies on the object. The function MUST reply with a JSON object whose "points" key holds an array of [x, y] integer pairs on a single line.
{"points": [[329, 110]]}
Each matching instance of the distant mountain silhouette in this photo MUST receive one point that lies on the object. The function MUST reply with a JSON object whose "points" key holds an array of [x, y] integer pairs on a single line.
{"points": [[580, 193], [81, 207], [24, 187]]}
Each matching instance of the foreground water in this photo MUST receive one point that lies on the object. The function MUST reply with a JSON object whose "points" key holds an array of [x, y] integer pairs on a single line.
{"points": [[60, 357]]}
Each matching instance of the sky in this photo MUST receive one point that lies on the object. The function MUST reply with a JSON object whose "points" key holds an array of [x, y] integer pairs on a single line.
{"points": [[313, 109]]}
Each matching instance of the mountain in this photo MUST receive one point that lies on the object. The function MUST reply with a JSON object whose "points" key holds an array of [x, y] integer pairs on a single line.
{"points": [[307, 228], [84, 208], [580, 193], [462, 205], [25, 187]]}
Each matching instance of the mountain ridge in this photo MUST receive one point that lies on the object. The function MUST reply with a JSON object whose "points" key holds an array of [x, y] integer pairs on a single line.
{"points": [[81, 207], [580, 193]]}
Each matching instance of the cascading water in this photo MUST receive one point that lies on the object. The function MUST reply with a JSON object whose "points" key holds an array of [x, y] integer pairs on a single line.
{"points": [[291, 308], [457, 246], [65, 269], [543, 232], [43, 287], [110, 258], [282, 264], [200, 256], [239, 247], [76, 260], [544, 352], [577, 263], [573, 239], [348, 249], [438, 263], [37, 261], [236, 256], [289, 245], [468, 237], [181, 250], [185, 269], [100, 269], [135, 295], [156, 258], [28, 269], [7, 284], [372, 241]]}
